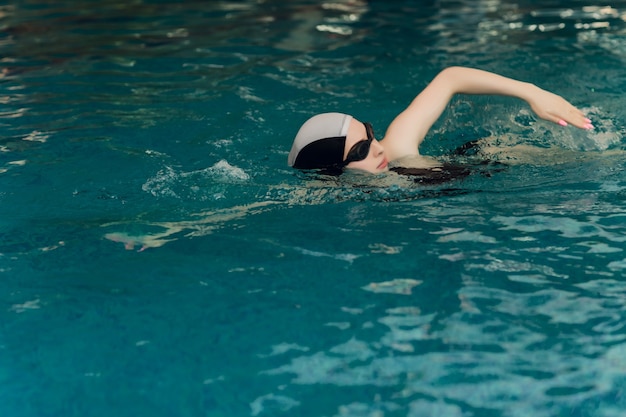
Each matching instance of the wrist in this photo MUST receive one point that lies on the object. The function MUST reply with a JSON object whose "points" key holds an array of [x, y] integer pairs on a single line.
{"points": [[529, 91]]}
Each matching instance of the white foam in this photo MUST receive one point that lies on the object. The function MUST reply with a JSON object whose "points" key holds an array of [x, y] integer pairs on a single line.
{"points": [[224, 170], [169, 182]]}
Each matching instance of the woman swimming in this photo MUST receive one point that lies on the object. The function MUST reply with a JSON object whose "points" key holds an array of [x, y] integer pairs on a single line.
{"points": [[334, 141]]}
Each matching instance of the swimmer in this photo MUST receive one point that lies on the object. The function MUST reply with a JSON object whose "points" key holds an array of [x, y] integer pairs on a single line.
{"points": [[336, 141]]}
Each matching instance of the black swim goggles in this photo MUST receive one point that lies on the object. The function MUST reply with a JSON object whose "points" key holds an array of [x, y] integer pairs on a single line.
{"points": [[361, 149]]}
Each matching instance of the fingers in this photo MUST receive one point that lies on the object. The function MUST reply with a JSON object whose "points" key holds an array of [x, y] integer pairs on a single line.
{"points": [[575, 117], [581, 122], [556, 109], [587, 125]]}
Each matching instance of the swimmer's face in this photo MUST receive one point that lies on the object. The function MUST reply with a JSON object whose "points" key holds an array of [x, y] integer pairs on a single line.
{"points": [[359, 134]]}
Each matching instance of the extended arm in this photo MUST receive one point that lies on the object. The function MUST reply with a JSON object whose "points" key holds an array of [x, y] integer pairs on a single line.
{"points": [[409, 128]]}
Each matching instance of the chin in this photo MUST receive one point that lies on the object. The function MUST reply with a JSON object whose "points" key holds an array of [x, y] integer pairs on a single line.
{"points": [[377, 170]]}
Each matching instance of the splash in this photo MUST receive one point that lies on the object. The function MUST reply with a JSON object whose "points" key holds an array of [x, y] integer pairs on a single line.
{"points": [[169, 182]]}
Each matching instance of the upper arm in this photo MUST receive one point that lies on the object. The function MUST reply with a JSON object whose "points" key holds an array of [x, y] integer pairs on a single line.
{"points": [[408, 129]]}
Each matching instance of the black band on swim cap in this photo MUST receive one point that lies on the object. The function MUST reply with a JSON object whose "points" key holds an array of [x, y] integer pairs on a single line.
{"points": [[323, 153], [320, 142]]}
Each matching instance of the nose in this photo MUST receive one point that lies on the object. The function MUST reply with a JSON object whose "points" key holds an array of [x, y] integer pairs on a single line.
{"points": [[377, 148]]}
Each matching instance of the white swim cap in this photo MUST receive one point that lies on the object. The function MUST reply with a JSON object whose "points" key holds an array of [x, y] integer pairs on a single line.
{"points": [[320, 142]]}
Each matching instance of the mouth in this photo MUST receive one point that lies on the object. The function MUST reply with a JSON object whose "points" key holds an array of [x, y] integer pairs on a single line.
{"points": [[383, 164]]}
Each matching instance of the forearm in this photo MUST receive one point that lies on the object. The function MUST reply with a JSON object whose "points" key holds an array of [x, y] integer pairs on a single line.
{"points": [[461, 80], [547, 105]]}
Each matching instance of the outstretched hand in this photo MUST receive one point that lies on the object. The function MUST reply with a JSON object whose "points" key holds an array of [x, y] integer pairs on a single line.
{"points": [[556, 109]]}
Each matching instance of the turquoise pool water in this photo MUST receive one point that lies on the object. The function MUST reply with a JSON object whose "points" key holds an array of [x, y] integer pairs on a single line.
{"points": [[158, 257]]}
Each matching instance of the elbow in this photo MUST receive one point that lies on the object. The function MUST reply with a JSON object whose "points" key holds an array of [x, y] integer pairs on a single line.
{"points": [[452, 72], [448, 74], [448, 80]]}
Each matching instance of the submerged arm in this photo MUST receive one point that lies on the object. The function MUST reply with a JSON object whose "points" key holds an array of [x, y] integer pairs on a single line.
{"points": [[409, 128]]}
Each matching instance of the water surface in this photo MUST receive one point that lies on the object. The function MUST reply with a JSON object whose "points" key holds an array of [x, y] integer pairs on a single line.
{"points": [[159, 258]]}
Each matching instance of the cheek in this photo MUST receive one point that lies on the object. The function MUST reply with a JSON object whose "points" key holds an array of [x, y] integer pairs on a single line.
{"points": [[368, 164]]}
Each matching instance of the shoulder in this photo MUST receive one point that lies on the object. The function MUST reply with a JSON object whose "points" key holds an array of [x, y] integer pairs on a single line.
{"points": [[434, 175]]}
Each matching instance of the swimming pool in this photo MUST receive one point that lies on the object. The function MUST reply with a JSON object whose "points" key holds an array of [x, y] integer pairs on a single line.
{"points": [[159, 258]]}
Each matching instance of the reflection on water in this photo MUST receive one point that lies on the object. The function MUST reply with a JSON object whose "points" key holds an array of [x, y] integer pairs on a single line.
{"points": [[166, 125], [537, 327]]}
